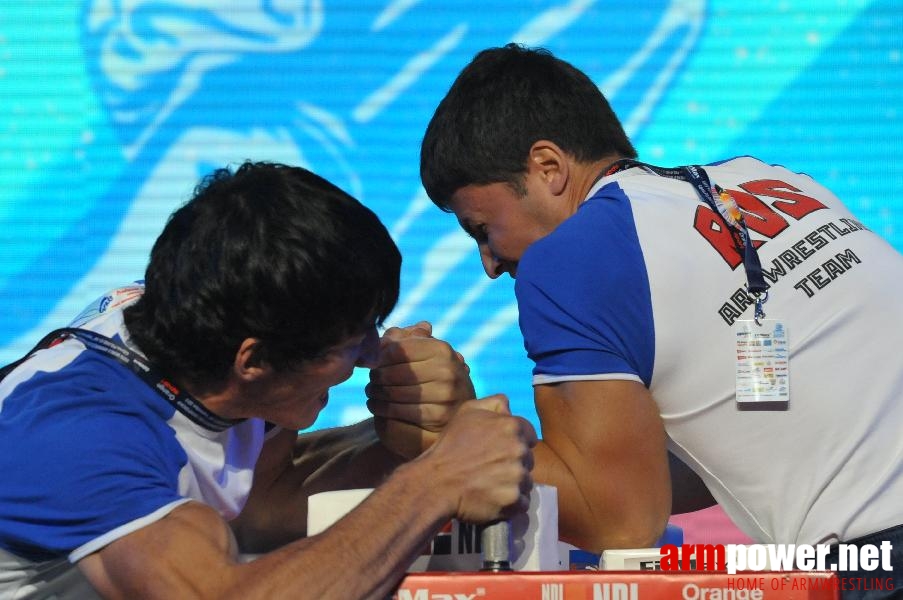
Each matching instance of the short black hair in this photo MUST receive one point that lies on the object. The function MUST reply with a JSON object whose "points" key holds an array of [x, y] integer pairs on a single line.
{"points": [[272, 252], [500, 104]]}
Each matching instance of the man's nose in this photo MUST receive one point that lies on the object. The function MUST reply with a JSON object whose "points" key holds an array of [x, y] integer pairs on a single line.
{"points": [[492, 265]]}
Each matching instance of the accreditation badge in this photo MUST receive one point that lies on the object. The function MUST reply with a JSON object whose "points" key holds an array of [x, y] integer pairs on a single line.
{"points": [[762, 363]]}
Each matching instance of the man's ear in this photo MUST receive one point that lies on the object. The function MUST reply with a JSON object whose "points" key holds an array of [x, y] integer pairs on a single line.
{"points": [[551, 164], [249, 364]]}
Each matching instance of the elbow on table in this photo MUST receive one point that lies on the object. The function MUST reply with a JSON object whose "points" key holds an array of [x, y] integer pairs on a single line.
{"points": [[643, 534]]}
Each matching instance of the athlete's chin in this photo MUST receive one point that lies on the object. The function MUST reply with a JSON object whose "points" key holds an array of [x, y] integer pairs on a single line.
{"points": [[308, 416], [305, 422]]}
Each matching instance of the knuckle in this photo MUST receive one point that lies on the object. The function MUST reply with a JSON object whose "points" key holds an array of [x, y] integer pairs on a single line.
{"points": [[508, 427], [375, 393], [446, 372], [441, 349]]}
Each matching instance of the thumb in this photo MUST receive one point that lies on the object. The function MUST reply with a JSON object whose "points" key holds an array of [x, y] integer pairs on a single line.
{"points": [[420, 329], [497, 403]]}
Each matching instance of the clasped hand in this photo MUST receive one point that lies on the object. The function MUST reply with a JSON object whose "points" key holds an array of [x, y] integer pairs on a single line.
{"points": [[416, 388]]}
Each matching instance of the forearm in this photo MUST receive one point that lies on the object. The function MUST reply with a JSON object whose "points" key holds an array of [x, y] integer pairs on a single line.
{"points": [[329, 441], [190, 554], [340, 458], [595, 513], [361, 466], [604, 449], [363, 555]]}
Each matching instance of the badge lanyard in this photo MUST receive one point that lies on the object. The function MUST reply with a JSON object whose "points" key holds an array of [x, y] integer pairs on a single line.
{"points": [[726, 207], [762, 351], [181, 401]]}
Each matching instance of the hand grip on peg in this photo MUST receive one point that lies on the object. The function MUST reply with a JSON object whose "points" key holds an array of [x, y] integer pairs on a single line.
{"points": [[495, 541]]}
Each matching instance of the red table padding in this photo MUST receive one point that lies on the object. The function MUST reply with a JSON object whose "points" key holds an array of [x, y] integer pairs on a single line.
{"points": [[620, 585]]}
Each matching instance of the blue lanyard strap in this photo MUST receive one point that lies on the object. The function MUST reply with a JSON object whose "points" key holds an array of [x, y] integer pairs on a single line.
{"points": [[736, 224], [175, 395]]}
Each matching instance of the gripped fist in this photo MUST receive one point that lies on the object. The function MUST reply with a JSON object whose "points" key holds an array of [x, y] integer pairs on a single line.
{"points": [[484, 459], [416, 388]]}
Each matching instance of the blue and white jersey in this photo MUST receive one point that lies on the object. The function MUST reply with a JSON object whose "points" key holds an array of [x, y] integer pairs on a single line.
{"points": [[90, 453], [644, 283]]}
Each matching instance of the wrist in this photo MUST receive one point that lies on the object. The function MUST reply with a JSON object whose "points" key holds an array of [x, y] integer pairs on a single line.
{"points": [[405, 440], [418, 476]]}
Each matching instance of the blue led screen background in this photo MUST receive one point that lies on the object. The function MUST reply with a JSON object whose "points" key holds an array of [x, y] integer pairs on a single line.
{"points": [[110, 110]]}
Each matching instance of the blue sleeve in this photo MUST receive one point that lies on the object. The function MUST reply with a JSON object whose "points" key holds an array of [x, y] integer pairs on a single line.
{"points": [[83, 450], [584, 299]]}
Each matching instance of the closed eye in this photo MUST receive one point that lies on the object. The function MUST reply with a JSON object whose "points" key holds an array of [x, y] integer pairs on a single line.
{"points": [[478, 232]]}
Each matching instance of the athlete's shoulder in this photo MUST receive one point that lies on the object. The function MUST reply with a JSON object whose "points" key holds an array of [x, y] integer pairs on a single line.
{"points": [[750, 166], [596, 231], [109, 304]]}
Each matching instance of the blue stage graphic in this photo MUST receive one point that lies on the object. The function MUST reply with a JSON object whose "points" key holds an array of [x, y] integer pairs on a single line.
{"points": [[112, 109]]}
